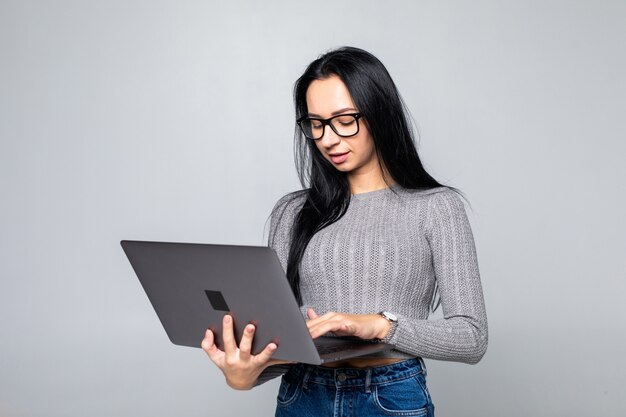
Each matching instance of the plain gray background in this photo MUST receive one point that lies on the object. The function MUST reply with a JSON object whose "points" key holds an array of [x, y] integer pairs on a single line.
{"points": [[173, 120]]}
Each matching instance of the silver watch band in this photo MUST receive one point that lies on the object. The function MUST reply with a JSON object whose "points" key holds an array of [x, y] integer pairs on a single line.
{"points": [[393, 321]]}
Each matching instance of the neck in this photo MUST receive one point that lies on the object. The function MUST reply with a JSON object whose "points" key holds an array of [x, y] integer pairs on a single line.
{"points": [[364, 183]]}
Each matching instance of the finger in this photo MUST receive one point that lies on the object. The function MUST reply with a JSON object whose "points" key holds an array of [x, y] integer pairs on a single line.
{"points": [[324, 318], [209, 346], [228, 335], [266, 354], [312, 314], [208, 340], [338, 327], [245, 347], [319, 319]]}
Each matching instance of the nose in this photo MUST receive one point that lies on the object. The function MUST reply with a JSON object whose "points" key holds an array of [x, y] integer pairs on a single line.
{"points": [[329, 137]]}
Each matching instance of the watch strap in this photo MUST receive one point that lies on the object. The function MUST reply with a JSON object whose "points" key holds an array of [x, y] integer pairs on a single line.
{"points": [[392, 328]]}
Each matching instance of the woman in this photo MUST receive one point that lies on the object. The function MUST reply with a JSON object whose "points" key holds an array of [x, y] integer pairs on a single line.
{"points": [[366, 245]]}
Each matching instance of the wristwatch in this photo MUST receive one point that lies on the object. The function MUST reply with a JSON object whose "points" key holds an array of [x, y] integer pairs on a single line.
{"points": [[393, 320]]}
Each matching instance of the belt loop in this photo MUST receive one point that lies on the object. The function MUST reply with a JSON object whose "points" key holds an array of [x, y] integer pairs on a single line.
{"points": [[368, 380], [423, 366], [307, 373]]}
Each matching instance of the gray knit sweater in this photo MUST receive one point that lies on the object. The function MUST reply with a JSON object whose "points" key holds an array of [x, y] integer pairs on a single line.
{"points": [[385, 254]]}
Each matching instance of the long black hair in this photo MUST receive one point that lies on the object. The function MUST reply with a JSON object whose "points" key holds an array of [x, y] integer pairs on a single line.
{"points": [[327, 189]]}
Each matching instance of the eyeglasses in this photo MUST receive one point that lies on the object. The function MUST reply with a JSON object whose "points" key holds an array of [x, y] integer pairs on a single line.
{"points": [[344, 125]]}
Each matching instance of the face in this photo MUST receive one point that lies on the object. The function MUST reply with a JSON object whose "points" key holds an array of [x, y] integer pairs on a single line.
{"points": [[354, 155]]}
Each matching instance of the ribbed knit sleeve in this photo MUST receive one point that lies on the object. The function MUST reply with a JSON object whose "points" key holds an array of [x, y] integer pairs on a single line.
{"points": [[281, 224], [461, 335]]}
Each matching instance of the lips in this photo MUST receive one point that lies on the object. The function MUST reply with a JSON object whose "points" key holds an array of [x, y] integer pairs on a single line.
{"points": [[339, 158]]}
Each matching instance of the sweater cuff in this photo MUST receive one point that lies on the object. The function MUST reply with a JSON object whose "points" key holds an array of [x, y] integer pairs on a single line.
{"points": [[393, 337]]}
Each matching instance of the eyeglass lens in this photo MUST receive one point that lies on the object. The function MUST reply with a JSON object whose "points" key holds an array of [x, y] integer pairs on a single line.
{"points": [[343, 125]]}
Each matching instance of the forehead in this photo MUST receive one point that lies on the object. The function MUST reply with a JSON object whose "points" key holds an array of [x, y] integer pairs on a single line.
{"points": [[327, 95]]}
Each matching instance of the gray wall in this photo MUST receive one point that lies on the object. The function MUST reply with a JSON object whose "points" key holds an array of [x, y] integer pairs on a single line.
{"points": [[173, 121]]}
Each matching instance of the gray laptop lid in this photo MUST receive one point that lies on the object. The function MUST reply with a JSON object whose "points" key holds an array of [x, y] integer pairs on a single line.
{"points": [[191, 286]]}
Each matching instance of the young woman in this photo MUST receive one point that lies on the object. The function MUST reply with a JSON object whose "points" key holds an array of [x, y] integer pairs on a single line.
{"points": [[367, 246]]}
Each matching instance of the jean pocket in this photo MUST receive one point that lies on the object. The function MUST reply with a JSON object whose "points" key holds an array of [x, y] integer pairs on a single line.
{"points": [[404, 397], [288, 391]]}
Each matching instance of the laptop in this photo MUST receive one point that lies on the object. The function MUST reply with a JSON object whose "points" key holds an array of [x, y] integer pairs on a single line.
{"points": [[192, 286]]}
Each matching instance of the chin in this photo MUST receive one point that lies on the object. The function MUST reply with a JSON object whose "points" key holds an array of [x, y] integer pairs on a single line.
{"points": [[343, 168]]}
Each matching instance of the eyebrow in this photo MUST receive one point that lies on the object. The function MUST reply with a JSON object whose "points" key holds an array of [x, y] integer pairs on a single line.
{"points": [[336, 112]]}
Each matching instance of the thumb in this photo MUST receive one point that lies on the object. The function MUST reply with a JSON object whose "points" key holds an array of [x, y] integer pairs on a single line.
{"points": [[311, 313]]}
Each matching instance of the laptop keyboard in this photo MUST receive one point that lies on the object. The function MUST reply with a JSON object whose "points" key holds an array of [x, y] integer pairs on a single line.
{"points": [[325, 350]]}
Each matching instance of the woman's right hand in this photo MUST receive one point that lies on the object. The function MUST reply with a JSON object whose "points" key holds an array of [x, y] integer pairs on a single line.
{"points": [[240, 367]]}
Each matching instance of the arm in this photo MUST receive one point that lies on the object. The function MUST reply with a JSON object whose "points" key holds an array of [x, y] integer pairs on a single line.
{"points": [[461, 335]]}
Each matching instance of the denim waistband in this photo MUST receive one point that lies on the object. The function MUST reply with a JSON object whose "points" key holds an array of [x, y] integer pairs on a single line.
{"points": [[354, 377]]}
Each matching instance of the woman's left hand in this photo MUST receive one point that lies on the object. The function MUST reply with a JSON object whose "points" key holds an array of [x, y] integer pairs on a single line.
{"points": [[364, 326]]}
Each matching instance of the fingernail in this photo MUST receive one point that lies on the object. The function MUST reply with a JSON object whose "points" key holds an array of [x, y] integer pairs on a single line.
{"points": [[227, 319], [249, 328]]}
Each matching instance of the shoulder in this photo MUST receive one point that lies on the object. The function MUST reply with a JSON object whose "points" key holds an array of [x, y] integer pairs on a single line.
{"points": [[422, 192], [437, 199], [291, 200], [444, 197], [446, 210], [432, 196], [289, 204], [283, 216]]}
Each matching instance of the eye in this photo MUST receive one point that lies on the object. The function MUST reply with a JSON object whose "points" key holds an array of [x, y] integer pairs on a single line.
{"points": [[315, 124], [345, 120]]}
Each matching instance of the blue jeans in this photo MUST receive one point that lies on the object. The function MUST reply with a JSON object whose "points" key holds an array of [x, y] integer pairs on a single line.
{"points": [[398, 389]]}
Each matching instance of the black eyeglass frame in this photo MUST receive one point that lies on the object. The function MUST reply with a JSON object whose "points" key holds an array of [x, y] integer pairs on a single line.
{"points": [[326, 122]]}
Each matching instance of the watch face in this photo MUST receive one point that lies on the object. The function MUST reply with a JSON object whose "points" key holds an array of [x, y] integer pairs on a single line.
{"points": [[390, 316]]}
